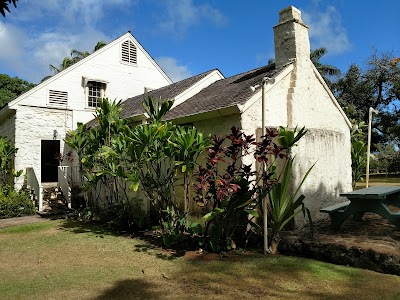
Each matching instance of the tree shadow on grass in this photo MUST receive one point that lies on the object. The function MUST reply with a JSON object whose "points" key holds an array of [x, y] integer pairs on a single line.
{"points": [[280, 277], [129, 289], [150, 243], [256, 277], [88, 227], [153, 245]]}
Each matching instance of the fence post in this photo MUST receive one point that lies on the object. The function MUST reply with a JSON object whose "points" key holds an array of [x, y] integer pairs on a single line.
{"points": [[40, 198]]}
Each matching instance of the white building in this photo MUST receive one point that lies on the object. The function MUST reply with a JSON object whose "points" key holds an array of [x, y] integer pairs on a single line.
{"points": [[37, 121], [295, 93]]}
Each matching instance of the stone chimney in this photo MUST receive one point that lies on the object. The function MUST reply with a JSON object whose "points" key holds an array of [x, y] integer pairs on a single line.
{"points": [[291, 38]]}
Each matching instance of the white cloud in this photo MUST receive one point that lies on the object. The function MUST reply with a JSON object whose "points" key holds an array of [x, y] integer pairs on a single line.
{"points": [[31, 55], [72, 12], [326, 29], [181, 15], [44, 32], [52, 47], [12, 46], [174, 71]]}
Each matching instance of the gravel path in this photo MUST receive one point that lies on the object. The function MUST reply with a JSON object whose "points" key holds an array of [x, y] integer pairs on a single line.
{"points": [[4, 223]]}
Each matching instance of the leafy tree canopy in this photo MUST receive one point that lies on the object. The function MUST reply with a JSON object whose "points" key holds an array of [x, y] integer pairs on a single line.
{"points": [[12, 87], [376, 85]]}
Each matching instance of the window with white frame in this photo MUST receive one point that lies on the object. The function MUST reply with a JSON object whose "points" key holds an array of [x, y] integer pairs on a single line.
{"points": [[128, 52], [95, 90]]}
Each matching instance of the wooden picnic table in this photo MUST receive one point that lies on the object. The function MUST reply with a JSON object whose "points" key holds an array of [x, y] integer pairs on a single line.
{"points": [[373, 199]]}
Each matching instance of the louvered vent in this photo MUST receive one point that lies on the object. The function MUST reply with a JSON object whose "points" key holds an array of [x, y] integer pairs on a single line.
{"points": [[129, 52], [58, 98]]}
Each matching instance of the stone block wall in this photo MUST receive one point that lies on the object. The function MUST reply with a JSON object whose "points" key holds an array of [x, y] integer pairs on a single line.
{"points": [[34, 124]]}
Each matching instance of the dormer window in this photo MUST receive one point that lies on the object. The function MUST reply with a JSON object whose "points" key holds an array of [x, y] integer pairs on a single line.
{"points": [[128, 52], [94, 89]]}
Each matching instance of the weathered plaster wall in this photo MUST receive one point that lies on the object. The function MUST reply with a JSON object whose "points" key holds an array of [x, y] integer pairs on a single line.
{"points": [[32, 126], [310, 104], [275, 112], [301, 100], [327, 143], [329, 150]]}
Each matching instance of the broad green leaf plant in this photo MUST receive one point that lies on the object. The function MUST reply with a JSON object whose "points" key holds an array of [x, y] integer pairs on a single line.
{"points": [[284, 199]]}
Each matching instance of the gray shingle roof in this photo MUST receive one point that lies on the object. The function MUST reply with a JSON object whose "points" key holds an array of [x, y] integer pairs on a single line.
{"points": [[133, 106], [224, 93]]}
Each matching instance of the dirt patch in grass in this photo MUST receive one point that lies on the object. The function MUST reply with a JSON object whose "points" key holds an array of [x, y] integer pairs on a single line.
{"points": [[75, 261]]}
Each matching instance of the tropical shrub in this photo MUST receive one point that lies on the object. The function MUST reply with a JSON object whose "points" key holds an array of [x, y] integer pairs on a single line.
{"points": [[15, 204], [233, 192], [178, 231], [7, 172], [284, 202], [101, 162], [156, 151], [115, 157], [358, 152]]}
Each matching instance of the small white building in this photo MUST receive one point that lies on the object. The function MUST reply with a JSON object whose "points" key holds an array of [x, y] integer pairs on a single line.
{"points": [[37, 121], [295, 93]]}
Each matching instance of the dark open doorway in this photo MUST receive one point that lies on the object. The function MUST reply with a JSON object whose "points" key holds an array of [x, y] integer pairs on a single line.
{"points": [[50, 153]]}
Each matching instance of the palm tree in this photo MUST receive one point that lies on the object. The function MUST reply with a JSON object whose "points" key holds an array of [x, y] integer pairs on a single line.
{"points": [[324, 70], [76, 56], [99, 45], [67, 61]]}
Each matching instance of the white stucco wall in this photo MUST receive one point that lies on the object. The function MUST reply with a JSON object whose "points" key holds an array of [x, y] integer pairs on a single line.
{"points": [[327, 144], [300, 99], [275, 112], [32, 126], [329, 150]]}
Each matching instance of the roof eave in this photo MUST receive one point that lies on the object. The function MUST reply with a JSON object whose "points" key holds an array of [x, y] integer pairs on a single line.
{"points": [[268, 86], [220, 112], [5, 112]]}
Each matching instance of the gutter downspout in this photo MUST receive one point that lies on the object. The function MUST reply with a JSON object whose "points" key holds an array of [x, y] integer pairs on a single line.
{"points": [[264, 82], [371, 110]]}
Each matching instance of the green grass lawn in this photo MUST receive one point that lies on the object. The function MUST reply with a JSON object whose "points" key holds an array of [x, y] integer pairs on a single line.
{"points": [[380, 180], [66, 260]]}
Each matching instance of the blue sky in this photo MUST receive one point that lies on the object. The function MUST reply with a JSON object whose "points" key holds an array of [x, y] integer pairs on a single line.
{"points": [[187, 37]]}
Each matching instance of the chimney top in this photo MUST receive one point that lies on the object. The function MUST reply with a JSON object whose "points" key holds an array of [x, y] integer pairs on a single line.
{"points": [[290, 13], [291, 38]]}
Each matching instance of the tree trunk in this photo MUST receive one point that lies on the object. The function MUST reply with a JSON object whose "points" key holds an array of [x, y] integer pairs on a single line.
{"points": [[274, 245]]}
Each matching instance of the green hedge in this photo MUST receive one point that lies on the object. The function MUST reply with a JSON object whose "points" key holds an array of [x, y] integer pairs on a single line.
{"points": [[15, 204]]}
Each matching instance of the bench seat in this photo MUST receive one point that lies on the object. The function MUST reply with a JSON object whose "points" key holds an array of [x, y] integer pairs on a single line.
{"points": [[334, 208]]}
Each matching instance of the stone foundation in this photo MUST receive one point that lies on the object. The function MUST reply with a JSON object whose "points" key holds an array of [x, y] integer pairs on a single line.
{"points": [[372, 243]]}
